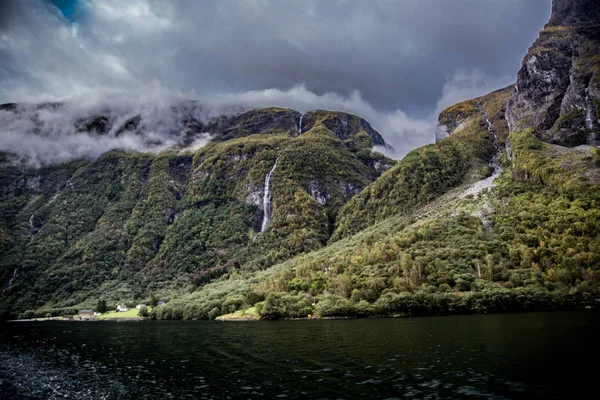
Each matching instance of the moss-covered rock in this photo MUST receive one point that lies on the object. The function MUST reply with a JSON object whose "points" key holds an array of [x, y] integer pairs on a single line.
{"points": [[344, 126], [457, 117]]}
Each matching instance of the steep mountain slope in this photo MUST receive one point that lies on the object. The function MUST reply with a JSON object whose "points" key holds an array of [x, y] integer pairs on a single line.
{"points": [[129, 224], [531, 243], [461, 155]]}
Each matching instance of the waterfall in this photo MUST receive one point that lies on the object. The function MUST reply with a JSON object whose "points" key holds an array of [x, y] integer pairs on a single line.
{"points": [[31, 227], [67, 184], [267, 197], [10, 282], [300, 124], [488, 182], [490, 128], [589, 117], [12, 279]]}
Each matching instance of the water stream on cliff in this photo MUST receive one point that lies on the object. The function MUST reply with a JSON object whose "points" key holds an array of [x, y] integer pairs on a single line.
{"points": [[67, 185], [267, 197], [31, 228], [300, 124], [589, 117], [12, 279], [488, 182]]}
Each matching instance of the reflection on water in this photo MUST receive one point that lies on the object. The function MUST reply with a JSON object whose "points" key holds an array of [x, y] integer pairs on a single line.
{"points": [[538, 355]]}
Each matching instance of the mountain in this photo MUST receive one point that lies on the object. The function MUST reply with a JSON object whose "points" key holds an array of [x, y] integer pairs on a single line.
{"points": [[501, 213], [461, 155], [558, 85], [134, 223]]}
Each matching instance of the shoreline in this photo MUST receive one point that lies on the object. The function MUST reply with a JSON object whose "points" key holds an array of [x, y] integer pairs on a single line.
{"points": [[313, 318], [78, 320]]}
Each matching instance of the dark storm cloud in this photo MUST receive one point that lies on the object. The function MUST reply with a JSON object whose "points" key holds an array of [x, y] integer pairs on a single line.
{"points": [[396, 53], [415, 56]]}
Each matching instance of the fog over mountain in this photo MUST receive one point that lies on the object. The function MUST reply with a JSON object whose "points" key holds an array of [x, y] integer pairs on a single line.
{"points": [[397, 64]]}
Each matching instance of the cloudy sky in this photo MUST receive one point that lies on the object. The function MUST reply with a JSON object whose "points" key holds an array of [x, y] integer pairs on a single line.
{"points": [[395, 62]]}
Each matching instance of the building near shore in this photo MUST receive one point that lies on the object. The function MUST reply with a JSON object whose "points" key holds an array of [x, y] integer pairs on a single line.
{"points": [[86, 314]]}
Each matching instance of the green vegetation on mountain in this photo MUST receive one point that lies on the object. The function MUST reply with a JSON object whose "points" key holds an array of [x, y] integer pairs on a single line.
{"points": [[430, 171], [128, 225], [540, 250], [531, 243], [351, 233], [185, 226]]}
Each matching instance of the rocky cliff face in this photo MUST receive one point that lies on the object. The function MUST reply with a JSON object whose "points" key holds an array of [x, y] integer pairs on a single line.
{"points": [[344, 126], [558, 86], [574, 12]]}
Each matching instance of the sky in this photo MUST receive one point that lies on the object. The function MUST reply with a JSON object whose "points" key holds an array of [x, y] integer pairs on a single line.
{"points": [[396, 63]]}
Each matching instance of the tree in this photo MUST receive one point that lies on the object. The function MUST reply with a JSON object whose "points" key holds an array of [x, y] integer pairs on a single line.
{"points": [[153, 301], [101, 306], [144, 312]]}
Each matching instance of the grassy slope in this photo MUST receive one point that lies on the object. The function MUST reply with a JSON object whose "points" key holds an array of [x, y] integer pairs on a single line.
{"points": [[430, 171], [129, 314]]}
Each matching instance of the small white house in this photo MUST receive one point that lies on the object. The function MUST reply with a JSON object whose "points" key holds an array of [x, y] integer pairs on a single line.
{"points": [[122, 308], [139, 306]]}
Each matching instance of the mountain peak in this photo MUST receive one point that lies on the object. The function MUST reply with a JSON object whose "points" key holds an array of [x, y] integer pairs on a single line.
{"points": [[574, 12], [558, 86]]}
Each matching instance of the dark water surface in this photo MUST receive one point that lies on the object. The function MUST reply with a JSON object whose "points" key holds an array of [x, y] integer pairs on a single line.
{"points": [[536, 355]]}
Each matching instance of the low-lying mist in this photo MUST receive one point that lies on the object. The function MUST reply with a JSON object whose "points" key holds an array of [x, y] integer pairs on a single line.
{"points": [[88, 127], [92, 123]]}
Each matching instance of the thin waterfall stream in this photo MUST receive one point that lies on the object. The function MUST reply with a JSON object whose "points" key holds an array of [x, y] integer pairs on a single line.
{"points": [[12, 279], [31, 228], [589, 115], [488, 182], [267, 196]]}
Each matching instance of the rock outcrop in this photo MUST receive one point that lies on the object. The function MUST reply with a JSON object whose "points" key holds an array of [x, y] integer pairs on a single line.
{"points": [[454, 117], [574, 12], [558, 86], [343, 125], [462, 116], [263, 120]]}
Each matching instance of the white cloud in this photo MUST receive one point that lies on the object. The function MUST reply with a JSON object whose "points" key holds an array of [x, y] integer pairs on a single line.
{"points": [[45, 136]]}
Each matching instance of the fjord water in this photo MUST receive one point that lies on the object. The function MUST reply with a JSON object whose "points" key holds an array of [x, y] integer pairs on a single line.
{"points": [[533, 355]]}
